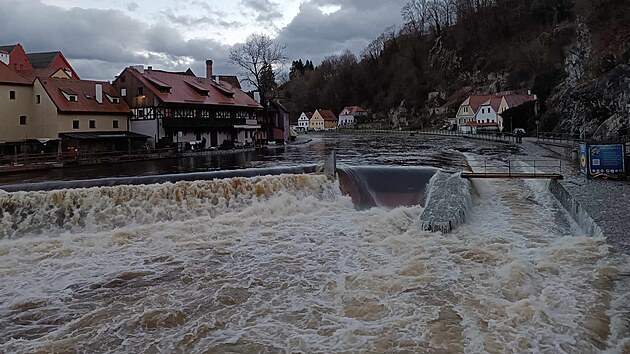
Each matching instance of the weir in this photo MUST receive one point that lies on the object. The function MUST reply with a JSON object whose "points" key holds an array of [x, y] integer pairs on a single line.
{"points": [[157, 179], [388, 187]]}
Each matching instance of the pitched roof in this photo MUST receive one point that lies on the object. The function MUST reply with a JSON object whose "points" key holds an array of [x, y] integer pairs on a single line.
{"points": [[327, 115], [517, 100], [8, 48], [10, 76], [475, 101], [184, 88], [41, 60], [83, 89], [352, 110], [232, 79], [494, 102]]}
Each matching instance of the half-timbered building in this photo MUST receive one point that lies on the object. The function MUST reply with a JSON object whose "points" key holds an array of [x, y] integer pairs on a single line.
{"points": [[179, 107]]}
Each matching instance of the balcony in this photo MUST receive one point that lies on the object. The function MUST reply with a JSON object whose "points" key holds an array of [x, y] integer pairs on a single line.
{"points": [[201, 123]]}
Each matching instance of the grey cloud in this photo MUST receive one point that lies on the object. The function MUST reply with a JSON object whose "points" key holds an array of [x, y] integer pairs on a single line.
{"points": [[132, 6], [264, 10], [313, 35], [100, 42]]}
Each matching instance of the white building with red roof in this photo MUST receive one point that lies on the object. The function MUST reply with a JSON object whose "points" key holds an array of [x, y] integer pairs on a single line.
{"points": [[349, 115], [483, 112]]}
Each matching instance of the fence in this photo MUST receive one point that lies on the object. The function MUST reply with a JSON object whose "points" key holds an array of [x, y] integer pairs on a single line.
{"points": [[517, 168]]}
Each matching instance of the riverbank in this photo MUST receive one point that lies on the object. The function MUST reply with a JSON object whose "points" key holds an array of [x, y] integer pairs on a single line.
{"points": [[600, 207]]}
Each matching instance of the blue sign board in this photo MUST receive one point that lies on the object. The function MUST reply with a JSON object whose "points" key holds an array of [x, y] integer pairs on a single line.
{"points": [[602, 158], [584, 158]]}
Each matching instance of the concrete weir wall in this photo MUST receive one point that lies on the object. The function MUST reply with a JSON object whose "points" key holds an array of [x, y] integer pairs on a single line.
{"points": [[575, 209]]}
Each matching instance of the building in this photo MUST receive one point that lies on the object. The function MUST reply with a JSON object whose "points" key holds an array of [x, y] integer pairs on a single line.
{"points": [[304, 120], [43, 105], [323, 119], [179, 107], [33, 65], [84, 116], [349, 115], [483, 112], [16, 110], [276, 124]]}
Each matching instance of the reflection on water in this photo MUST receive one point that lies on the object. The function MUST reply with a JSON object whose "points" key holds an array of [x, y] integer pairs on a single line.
{"points": [[358, 149]]}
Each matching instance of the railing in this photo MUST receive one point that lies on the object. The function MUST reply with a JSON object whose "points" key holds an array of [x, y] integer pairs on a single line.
{"points": [[79, 157], [516, 168], [558, 138]]}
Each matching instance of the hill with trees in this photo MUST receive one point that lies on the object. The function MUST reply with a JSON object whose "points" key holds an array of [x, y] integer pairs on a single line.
{"points": [[574, 54]]}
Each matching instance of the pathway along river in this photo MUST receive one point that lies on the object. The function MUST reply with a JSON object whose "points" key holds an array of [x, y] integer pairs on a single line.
{"points": [[282, 264]]}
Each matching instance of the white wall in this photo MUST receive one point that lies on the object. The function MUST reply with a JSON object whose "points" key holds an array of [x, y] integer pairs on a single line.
{"points": [[486, 114]]}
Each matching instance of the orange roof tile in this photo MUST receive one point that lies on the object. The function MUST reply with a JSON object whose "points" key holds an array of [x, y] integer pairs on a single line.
{"points": [[327, 115], [83, 89], [184, 88], [10, 76]]}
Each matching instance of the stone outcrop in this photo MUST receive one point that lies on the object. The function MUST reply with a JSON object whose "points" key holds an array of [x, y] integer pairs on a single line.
{"points": [[594, 99]]}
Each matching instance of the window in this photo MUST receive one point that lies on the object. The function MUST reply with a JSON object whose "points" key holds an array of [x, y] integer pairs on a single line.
{"points": [[123, 92], [39, 99], [115, 124], [75, 124], [11, 95], [140, 91], [92, 124], [140, 113], [22, 120], [73, 98]]}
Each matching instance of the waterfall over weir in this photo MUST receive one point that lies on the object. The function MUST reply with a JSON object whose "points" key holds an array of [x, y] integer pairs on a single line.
{"points": [[387, 187]]}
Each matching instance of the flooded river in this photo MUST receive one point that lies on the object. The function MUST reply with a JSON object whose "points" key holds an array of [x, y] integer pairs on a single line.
{"points": [[290, 264]]}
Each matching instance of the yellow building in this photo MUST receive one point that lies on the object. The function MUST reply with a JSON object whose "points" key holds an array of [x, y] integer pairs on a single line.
{"points": [[323, 119]]}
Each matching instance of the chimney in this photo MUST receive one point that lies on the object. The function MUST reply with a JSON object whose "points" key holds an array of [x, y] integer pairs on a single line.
{"points": [[149, 67], [209, 69], [140, 68], [99, 93]]}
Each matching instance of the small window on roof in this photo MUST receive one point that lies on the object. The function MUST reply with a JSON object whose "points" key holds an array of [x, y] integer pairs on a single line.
{"points": [[88, 96], [73, 98]]}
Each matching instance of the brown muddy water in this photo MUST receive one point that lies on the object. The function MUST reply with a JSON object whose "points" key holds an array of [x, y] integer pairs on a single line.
{"points": [[289, 264]]}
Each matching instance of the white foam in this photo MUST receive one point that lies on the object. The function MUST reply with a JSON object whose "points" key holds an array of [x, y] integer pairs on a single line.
{"points": [[306, 272]]}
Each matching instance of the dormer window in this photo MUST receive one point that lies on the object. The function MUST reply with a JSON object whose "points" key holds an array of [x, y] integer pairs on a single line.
{"points": [[113, 99], [69, 94]]}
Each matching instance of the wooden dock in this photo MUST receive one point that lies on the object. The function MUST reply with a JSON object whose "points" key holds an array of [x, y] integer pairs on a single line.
{"points": [[513, 175]]}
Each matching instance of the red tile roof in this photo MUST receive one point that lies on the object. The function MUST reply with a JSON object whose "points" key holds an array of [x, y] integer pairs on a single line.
{"points": [[54, 88], [10, 76], [327, 115], [475, 101], [184, 88], [517, 100], [352, 110], [494, 102]]}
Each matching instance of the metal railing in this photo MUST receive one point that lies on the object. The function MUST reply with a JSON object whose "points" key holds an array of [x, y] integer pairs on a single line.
{"points": [[80, 157], [516, 167]]}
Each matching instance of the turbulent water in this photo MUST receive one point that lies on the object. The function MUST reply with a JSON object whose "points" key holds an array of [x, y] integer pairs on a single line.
{"points": [[288, 264]]}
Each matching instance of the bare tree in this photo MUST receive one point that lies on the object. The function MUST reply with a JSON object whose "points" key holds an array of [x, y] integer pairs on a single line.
{"points": [[258, 58]]}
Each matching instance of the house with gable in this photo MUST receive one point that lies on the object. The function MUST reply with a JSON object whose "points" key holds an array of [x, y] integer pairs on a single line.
{"points": [[180, 107], [33, 65], [323, 119], [483, 112], [350, 115], [49, 109], [303, 121]]}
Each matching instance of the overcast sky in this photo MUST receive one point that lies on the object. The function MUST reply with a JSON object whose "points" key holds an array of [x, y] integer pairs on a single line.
{"points": [[101, 38]]}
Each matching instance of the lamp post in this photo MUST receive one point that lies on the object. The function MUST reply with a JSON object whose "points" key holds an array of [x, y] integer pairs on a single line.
{"points": [[537, 125]]}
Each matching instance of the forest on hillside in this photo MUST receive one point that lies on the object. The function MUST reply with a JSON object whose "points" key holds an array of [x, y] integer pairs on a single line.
{"points": [[458, 47]]}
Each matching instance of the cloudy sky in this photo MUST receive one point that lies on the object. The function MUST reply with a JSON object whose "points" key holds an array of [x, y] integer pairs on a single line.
{"points": [[100, 37]]}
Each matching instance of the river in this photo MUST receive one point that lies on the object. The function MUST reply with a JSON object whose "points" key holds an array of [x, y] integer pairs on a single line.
{"points": [[289, 264]]}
